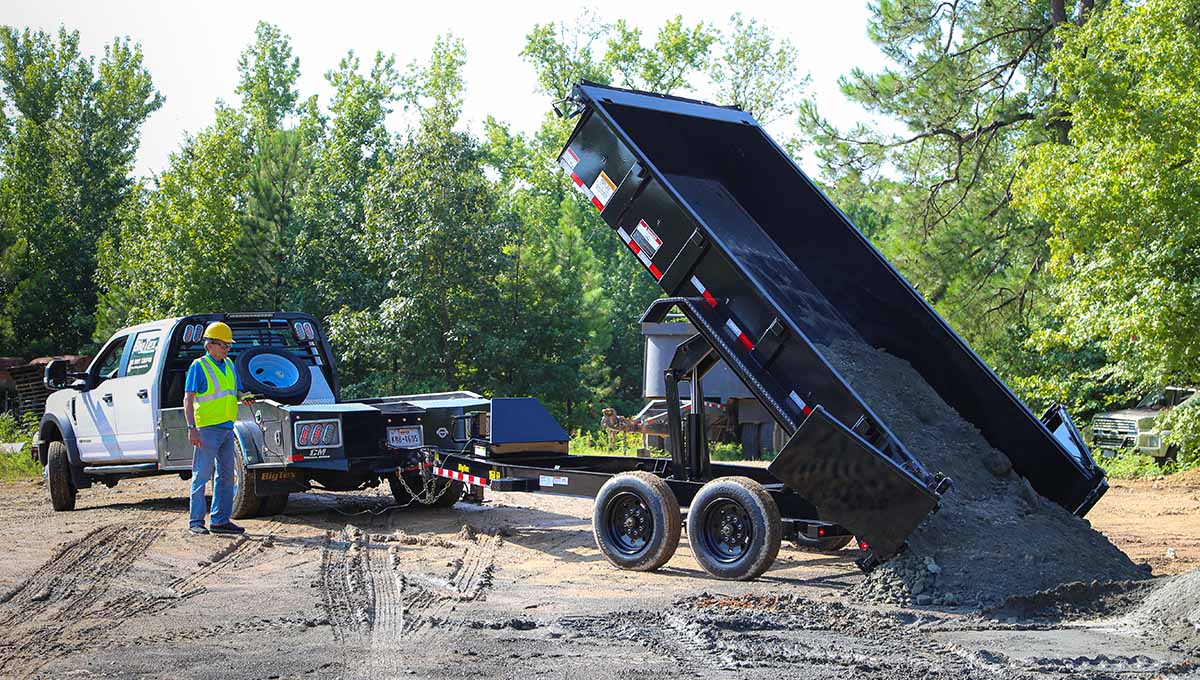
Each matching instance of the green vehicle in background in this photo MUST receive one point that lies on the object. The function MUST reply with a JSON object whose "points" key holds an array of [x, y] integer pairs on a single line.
{"points": [[1137, 428]]}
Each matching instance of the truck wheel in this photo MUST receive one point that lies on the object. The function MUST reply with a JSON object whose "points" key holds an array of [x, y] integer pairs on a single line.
{"points": [[734, 528], [58, 477], [636, 521], [449, 496], [822, 545], [273, 505], [245, 502]]}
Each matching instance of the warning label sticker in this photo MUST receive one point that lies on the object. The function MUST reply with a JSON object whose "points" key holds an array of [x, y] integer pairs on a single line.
{"points": [[646, 239], [603, 188]]}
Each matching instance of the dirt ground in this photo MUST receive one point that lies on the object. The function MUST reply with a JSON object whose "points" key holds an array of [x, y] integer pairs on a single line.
{"points": [[340, 587]]}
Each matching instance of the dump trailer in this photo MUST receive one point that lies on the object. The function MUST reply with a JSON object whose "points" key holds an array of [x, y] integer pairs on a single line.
{"points": [[770, 272]]}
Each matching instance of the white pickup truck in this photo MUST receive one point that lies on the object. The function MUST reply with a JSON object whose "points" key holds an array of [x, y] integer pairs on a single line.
{"points": [[123, 417]]}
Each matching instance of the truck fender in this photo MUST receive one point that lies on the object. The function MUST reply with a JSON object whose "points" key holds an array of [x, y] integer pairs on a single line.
{"points": [[250, 439], [52, 429]]}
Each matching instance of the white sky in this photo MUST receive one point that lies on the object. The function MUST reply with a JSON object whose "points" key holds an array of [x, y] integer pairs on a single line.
{"points": [[191, 48]]}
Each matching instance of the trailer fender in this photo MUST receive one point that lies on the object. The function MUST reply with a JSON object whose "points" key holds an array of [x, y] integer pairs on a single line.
{"points": [[53, 429], [250, 440]]}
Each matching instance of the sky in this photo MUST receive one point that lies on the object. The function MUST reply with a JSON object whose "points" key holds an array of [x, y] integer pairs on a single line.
{"points": [[191, 48]]}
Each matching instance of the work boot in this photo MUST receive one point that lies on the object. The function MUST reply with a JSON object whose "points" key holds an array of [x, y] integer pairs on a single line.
{"points": [[227, 528], [198, 529]]}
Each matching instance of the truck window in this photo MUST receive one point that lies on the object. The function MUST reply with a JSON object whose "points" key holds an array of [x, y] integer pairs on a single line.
{"points": [[109, 362], [141, 356]]}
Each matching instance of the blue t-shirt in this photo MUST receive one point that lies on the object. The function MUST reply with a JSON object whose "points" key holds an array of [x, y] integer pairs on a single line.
{"points": [[197, 382]]}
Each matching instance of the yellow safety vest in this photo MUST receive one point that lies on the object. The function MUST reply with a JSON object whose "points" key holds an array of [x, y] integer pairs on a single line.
{"points": [[218, 402]]}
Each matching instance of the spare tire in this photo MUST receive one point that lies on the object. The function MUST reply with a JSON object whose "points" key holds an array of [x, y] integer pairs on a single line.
{"points": [[273, 373]]}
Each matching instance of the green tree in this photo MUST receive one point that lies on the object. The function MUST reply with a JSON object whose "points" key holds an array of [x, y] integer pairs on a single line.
{"points": [[430, 224], [967, 96], [1120, 191], [66, 160], [223, 210], [756, 72], [270, 224]]}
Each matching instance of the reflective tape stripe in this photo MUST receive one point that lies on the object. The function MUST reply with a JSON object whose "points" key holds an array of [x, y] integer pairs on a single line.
{"points": [[216, 395], [804, 408], [708, 297]]}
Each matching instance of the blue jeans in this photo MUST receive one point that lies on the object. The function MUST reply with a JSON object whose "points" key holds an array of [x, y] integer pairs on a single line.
{"points": [[215, 450]]}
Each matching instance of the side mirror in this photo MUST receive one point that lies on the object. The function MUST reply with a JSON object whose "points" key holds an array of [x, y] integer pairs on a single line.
{"points": [[57, 376]]}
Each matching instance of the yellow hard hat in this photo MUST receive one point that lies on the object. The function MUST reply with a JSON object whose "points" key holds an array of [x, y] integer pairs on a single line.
{"points": [[219, 330]]}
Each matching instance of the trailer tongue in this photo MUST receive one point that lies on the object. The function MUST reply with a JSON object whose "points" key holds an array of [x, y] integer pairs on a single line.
{"points": [[769, 271]]}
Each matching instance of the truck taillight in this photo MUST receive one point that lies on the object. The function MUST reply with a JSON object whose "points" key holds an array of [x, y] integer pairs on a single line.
{"points": [[304, 432], [330, 434], [315, 437]]}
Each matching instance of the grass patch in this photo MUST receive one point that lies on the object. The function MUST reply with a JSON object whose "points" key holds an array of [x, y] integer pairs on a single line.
{"points": [[1129, 464], [19, 465]]}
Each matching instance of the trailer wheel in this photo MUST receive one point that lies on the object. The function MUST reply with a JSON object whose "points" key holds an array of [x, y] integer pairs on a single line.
{"points": [[734, 528], [245, 502], [823, 545], [273, 505], [58, 478], [636, 521]]}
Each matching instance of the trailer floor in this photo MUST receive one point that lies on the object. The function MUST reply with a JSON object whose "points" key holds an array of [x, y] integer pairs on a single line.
{"points": [[119, 589]]}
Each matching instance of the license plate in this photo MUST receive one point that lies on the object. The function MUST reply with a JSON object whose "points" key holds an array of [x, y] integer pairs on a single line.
{"points": [[404, 437]]}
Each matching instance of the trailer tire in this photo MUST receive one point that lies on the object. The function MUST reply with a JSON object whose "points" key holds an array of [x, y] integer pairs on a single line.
{"points": [[58, 478], [273, 505], [245, 503], [734, 528], [636, 521], [832, 544]]}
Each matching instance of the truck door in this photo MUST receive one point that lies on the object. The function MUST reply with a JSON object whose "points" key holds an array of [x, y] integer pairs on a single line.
{"points": [[95, 415], [134, 393]]}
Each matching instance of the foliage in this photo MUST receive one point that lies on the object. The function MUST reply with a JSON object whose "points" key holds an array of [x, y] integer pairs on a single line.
{"points": [[1183, 425], [1129, 464], [1121, 192], [68, 137], [18, 465], [757, 73]]}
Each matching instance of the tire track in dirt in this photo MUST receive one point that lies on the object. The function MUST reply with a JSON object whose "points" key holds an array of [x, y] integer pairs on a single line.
{"points": [[69, 603], [62, 605], [372, 596]]}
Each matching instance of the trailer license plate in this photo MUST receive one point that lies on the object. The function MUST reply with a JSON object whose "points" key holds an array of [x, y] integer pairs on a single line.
{"points": [[404, 437]]}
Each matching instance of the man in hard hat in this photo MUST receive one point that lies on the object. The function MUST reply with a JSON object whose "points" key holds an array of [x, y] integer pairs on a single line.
{"points": [[210, 403]]}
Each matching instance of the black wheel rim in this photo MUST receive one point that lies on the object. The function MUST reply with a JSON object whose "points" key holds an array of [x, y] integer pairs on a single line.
{"points": [[628, 523], [728, 530]]}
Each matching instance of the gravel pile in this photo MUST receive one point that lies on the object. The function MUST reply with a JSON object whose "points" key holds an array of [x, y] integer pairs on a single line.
{"points": [[994, 536], [1172, 612]]}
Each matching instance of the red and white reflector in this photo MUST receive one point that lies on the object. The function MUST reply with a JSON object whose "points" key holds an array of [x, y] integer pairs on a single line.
{"points": [[637, 250], [295, 458], [804, 408], [568, 161], [460, 476], [708, 297], [739, 334]]}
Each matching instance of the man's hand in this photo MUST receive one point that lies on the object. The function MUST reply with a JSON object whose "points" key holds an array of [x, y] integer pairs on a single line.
{"points": [[248, 400], [194, 436]]}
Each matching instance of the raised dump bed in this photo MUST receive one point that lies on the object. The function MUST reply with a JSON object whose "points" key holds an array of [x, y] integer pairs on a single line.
{"points": [[770, 272]]}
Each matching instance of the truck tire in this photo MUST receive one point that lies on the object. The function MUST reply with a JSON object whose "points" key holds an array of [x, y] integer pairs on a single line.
{"points": [[245, 503], [734, 528], [636, 521], [58, 477], [274, 373], [822, 545], [273, 505]]}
